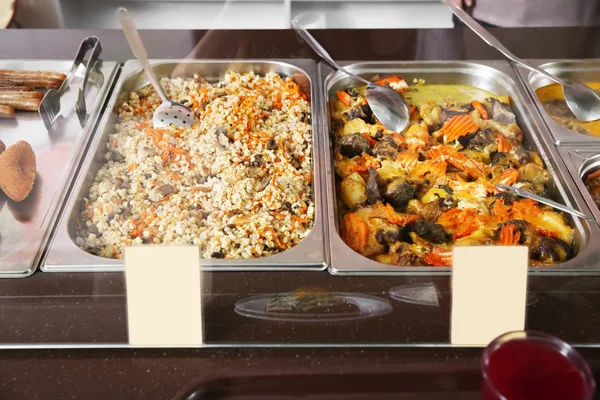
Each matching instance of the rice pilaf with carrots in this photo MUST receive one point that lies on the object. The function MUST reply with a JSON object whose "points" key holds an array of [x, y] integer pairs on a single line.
{"points": [[238, 183]]}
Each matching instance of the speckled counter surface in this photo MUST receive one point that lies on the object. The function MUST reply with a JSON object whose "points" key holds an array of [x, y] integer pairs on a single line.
{"points": [[60, 310]]}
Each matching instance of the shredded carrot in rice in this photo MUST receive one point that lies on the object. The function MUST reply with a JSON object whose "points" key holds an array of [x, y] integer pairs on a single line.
{"points": [[254, 110]]}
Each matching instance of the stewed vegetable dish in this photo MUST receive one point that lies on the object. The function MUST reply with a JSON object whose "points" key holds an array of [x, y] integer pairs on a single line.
{"points": [[592, 183], [555, 106], [407, 198]]}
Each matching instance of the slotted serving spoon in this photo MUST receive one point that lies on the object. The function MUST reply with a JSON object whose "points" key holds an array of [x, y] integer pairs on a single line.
{"points": [[169, 113], [387, 104], [548, 202], [582, 100]]}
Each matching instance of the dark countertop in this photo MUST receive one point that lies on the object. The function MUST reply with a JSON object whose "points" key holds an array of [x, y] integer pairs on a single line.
{"points": [[59, 310]]}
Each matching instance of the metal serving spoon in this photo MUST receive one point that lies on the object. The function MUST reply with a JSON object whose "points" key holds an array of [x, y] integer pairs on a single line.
{"points": [[169, 112], [387, 104], [582, 100], [548, 202]]}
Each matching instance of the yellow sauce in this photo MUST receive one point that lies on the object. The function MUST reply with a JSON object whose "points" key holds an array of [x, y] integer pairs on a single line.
{"points": [[554, 91], [447, 94]]}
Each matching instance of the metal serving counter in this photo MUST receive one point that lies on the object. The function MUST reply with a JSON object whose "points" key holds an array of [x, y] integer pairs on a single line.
{"points": [[25, 226], [66, 310]]}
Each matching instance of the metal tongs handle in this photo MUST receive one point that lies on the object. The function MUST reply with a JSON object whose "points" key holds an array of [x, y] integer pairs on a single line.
{"points": [[492, 41], [54, 105], [138, 49], [93, 43], [548, 202]]}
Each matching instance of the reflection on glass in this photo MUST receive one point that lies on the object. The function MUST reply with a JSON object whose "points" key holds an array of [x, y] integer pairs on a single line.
{"points": [[423, 294], [310, 304], [427, 294]]}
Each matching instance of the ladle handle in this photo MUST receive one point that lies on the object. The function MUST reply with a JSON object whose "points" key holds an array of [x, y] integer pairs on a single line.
{"points": [[138, 49], [495, 43], [312, 42]]}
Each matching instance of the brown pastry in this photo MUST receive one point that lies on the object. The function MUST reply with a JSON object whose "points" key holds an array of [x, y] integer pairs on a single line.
{"points": [[32, 79], [17, 171], [20, 103], [6, 111]]}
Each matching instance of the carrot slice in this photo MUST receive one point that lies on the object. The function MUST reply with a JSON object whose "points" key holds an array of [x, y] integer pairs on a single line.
{"points": [[508, 236], [447, 153], [508, 176], [460, 223], [594, 174], [458, 126], [480, 107], [412, 110], [388, 80], [399, 139], [355, 232], [397, 218], [344, 98], [504, 146], [439, 257], [500, 210]]}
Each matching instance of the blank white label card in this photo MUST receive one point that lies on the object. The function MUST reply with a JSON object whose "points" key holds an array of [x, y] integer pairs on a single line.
{"points": [[489, 289], [164, 298]]}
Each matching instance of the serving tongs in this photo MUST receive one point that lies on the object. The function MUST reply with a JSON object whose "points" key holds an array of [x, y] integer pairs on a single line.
{"points": [[548, 202], [71, 94]]}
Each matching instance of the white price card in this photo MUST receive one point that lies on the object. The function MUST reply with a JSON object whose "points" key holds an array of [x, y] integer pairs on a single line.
{"points": [[489, 289], [164, 298]]}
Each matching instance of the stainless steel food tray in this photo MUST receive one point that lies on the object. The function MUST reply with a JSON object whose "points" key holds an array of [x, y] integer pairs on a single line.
{"points": [[580, 161], [497, 77], [26, 226], [65, 255], [576, 70]]}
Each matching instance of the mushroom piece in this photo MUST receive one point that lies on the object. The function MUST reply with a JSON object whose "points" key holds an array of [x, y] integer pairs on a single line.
{"points": [[551, 250], [399, 192], [353, 145], [484, 140], [385, 148], [448, 113], [502, 113], [435, 233], [166, 189], [373, 194], [387, 235]]}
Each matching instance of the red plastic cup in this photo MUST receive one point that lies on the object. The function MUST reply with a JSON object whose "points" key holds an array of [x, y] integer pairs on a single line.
{"points": [[529, 365]]}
